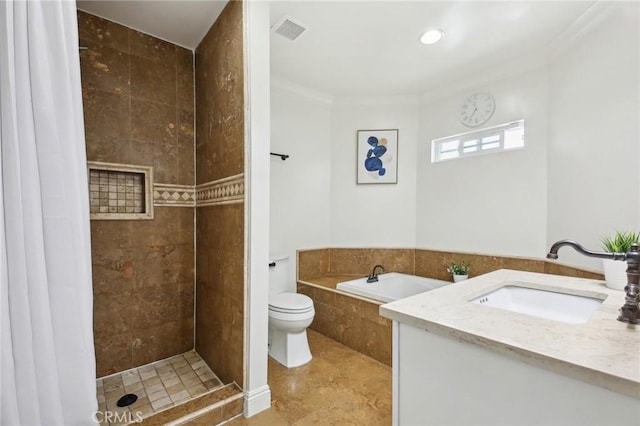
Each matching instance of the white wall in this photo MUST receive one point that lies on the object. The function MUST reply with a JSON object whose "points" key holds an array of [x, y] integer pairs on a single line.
{"points": [[594, 154], [373, 215], [300, 185], [495, 203], [582, 129]]}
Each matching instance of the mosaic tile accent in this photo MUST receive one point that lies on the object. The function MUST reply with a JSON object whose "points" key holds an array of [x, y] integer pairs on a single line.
{"points": [[229, 190], [119, 191], [116, 192], [174, 195], [159, 386]]}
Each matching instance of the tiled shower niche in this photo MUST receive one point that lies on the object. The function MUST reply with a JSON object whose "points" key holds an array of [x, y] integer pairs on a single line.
{"points": [[120, 191]]}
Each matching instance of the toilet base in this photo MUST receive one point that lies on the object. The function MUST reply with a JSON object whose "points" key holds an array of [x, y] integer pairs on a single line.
{"points": [[289, 349]]}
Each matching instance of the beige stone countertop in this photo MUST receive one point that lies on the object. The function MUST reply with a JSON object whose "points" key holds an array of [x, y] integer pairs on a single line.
{"points": [[603, 351]]}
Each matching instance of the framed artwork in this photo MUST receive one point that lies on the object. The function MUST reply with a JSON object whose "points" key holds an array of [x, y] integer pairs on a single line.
{"points": [[377, 156]]}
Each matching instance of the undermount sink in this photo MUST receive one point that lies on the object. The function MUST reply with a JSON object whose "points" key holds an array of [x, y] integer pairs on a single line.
{"points": [[562, 307]]}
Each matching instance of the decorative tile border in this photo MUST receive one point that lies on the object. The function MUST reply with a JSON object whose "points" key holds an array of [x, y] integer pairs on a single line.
{"points": [[229, 190], [165, 194]]}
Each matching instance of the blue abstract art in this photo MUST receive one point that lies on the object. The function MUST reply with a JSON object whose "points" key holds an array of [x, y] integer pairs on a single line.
{"points": [[377, 156]]}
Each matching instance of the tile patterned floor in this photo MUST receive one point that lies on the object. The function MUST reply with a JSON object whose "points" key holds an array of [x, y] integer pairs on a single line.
{"points": [[338, 387], [159, 386]]}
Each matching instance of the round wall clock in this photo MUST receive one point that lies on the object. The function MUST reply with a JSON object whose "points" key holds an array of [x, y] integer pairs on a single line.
{"points": [[477, 109]]}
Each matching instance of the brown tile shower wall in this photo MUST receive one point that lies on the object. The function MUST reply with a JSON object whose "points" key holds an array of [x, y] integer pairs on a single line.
{"points": [[220, 98], [138, 109], [220, 227]]}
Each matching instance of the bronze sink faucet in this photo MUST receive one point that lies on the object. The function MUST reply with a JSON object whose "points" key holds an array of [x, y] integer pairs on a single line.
{"points": [[630, 311]]}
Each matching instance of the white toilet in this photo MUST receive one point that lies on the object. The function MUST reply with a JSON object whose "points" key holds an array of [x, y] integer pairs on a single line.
{"points": [[289, 316]]}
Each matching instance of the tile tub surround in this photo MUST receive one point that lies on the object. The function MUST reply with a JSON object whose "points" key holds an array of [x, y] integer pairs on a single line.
{"points": [[349, 319], [219, 75], [313, 263], [138, 101], [431, 264], [355, 321], [603, 352]]}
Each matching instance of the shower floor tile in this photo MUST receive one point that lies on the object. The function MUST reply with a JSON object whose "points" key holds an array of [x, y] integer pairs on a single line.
{"points": [[159, 386]]}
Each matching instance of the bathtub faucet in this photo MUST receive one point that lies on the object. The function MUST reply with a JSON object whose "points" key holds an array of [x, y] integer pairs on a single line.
{"points": [[630, 311], [373, 278]]}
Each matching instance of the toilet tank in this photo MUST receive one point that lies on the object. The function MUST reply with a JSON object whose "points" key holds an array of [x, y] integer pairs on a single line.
{"points": [[278, 273]]}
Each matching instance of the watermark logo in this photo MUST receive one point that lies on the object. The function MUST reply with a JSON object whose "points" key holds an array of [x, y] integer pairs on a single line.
{"points": [[117, 416]]}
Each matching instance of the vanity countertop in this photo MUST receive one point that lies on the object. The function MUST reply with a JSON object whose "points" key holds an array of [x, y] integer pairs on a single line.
{"points": [[603, 351]]}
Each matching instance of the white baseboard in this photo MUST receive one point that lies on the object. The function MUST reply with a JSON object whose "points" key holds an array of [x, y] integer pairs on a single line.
{"points": [[257, 400]]}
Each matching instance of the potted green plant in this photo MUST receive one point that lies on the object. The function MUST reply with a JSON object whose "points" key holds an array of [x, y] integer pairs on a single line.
{"points": [[615, 271], [459, 270]]}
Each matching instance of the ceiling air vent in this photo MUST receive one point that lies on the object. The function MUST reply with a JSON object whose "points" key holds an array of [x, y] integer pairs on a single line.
{"points": [[288, 28]]}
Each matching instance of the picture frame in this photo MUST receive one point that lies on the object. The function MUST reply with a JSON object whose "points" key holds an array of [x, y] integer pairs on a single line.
{"points": [[377, 156]]}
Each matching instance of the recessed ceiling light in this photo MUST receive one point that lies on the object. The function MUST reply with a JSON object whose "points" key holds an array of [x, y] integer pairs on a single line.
{"points": [[431, 36]]}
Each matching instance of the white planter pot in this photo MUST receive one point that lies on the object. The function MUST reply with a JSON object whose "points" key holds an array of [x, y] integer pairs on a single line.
{"points": [[615, 273], [457, 278]]}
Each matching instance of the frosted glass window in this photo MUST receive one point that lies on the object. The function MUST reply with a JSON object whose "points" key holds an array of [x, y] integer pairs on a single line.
{"points": [[450, 146], [492, 139], [449, 154], [514, 138]]}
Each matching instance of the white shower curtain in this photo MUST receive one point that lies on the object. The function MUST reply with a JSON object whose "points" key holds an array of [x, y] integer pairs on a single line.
{"points": [[47, 374]]}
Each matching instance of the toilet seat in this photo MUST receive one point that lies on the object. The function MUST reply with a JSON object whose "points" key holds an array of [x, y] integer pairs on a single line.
{"points": [[290, 303]]}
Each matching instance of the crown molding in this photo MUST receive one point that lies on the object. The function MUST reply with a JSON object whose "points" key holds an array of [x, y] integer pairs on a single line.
{"points": [[298, 89], [391, 100], [488, 76], [581, 27]]}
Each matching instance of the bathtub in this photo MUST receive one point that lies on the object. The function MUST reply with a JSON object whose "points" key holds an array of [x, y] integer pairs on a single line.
{"points": [[390, 286]]}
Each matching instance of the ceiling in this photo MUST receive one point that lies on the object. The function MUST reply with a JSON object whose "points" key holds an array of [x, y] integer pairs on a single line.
{"points": [[371, 48], [182, 22], [355, 48]]}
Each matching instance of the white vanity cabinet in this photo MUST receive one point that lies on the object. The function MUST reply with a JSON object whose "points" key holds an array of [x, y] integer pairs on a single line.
{"points": [[456, 362], [440, 380]]}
